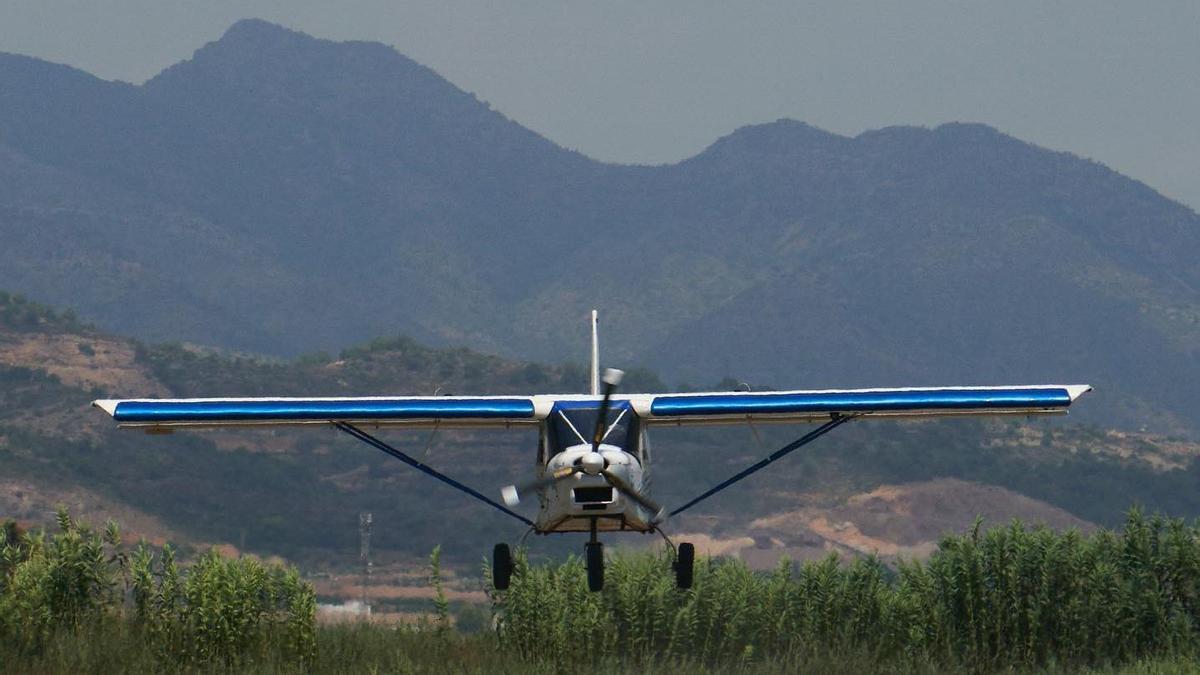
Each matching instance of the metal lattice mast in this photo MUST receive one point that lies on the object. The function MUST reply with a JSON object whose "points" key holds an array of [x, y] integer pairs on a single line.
{"points": [[364, 555]]}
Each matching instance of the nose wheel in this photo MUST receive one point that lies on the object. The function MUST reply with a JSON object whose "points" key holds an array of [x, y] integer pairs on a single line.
{"points": [[595, 566], [594, 557]]}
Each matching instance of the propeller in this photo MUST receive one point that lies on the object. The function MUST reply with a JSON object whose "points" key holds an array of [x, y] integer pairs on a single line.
{"points": [[593, 463], [512, 493], [612, 378], [660, 512]]}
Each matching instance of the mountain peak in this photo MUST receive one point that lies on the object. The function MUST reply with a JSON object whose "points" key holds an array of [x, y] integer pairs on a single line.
{"points": [[784, 129], [259, 29], [782, 137], [258, 56], [256, 38]]}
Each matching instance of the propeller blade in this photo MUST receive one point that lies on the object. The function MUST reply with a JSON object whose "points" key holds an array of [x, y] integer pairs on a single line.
{"points": [[612, 378], [660, 512], [512, 494]]}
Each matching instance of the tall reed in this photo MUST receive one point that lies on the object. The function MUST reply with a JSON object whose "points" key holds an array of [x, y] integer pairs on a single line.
{"points": [[1010, 596]]}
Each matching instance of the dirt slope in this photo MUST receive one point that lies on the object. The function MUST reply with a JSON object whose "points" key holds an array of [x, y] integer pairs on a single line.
{"points": [[892, 521]]}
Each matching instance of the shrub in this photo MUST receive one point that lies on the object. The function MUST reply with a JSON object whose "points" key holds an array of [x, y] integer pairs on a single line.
{"points": [[218, 610]]}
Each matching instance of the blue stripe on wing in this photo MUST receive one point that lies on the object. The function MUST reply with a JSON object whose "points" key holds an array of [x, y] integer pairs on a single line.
{"points": [[217, 411], [895, 401]]}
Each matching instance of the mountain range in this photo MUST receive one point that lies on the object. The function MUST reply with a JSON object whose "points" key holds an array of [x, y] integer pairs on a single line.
{"points": [[280, 194]]}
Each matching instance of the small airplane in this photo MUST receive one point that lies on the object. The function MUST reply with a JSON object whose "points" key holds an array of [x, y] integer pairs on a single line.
{"points": [[593, 455]]}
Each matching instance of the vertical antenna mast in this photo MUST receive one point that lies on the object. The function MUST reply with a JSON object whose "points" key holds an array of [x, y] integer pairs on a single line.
{"points": [[364, 556], [595, 358]]}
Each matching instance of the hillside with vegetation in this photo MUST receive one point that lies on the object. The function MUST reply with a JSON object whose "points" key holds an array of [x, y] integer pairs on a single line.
{"points": [[872, 487], [280, 194]]}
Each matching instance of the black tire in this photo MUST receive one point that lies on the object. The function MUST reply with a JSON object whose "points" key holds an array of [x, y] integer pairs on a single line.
{"points": [[685, 564], [595, 566], [502, 566]]}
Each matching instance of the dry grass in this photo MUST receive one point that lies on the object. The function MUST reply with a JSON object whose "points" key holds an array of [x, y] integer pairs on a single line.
{"points": [[83, 361]]}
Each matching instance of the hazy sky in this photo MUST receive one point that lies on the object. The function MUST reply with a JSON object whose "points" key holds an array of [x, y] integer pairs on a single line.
{"points": [[650, 82]]}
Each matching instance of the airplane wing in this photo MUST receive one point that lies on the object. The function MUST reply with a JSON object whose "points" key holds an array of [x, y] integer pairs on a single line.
{"points": [[654, 409], [813, 406], [409, 411], [833, 407]]}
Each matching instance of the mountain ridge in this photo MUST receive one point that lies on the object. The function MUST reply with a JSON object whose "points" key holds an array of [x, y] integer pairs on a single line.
{"points": [[281, 194]]}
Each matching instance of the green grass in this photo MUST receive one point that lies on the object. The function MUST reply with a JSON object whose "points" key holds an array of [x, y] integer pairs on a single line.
{"points": [[117, 647]]}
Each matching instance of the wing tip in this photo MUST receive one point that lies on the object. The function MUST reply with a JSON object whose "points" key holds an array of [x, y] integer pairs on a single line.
{"points": [[107, 405], [1077, 390]]}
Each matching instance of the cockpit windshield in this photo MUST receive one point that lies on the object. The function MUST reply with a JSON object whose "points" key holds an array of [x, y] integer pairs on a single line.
{"points": [[574, 422]]}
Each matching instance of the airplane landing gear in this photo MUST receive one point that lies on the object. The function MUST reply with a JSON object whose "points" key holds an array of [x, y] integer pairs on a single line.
{"points": [[502, 566], [595, 566], [685, 564], [594, 556], [685, 560]]}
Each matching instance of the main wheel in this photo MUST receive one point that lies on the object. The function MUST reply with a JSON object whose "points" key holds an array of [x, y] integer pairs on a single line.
{"points": [[685, 563], [502, 566], [595, 565]]}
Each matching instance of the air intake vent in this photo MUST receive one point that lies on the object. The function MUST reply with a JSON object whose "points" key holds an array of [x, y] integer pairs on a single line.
{"points": [[593, 495]]}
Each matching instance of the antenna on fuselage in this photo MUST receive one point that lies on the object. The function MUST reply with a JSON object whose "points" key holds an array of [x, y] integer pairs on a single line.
{"points": [[595, 357]]}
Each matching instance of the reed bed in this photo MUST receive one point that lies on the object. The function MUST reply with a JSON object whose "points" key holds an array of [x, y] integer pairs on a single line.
{"points": [[1006, 599]]}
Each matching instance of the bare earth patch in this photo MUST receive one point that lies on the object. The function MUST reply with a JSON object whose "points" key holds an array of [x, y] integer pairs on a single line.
{"points": [[892, 521], [35, 504], [81, 361]]}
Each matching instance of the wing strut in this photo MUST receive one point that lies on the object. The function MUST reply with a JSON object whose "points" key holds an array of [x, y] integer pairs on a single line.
{"points": [[835, 421], [380, 445]]}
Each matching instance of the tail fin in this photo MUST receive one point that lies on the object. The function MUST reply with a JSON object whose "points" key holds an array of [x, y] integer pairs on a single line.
{"points": [[595, 358]]}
